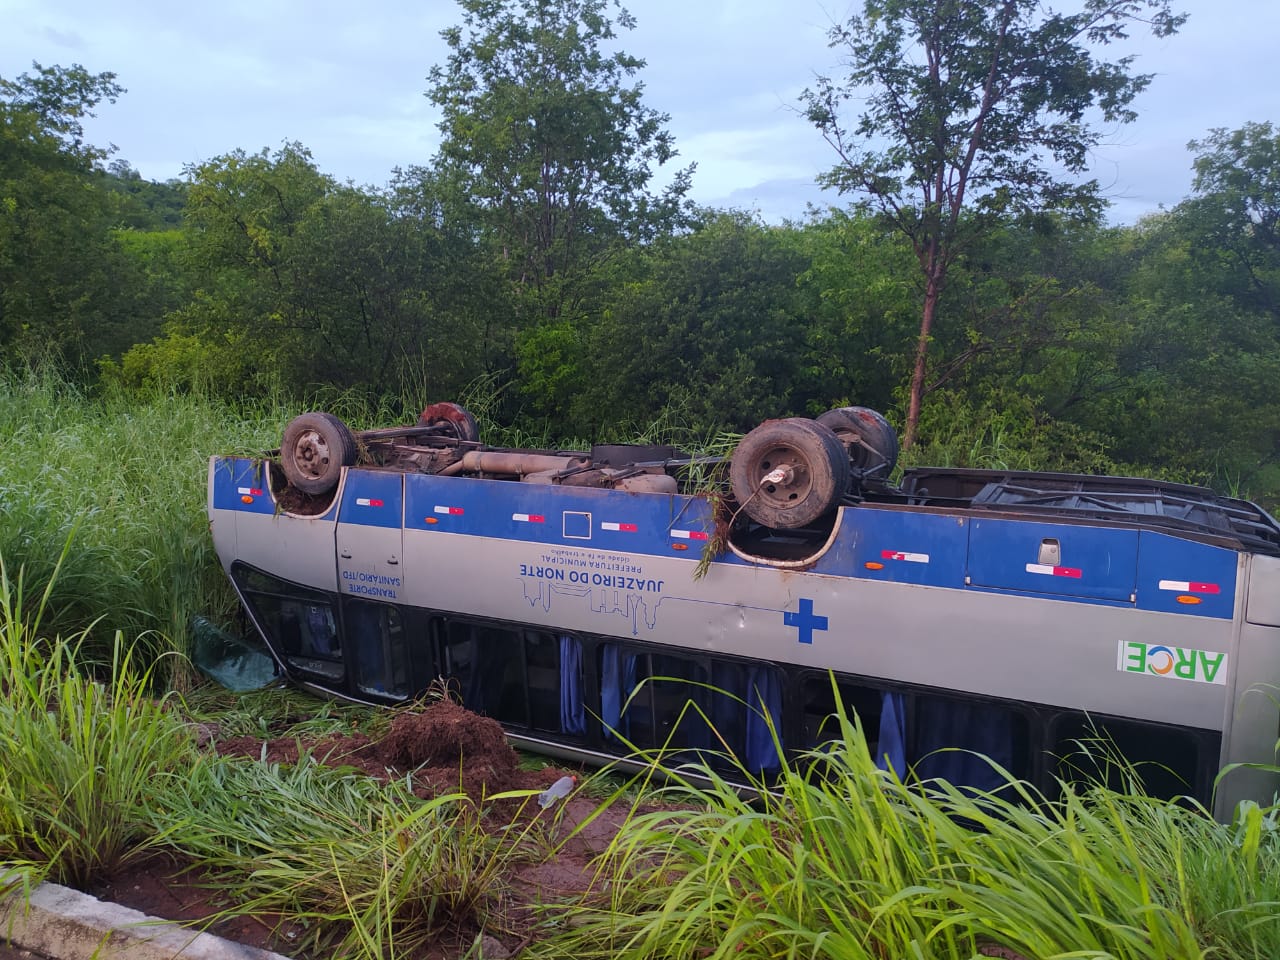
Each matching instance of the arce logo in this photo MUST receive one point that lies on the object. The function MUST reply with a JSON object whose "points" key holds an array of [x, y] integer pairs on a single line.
{"points": [[1180, 663]]}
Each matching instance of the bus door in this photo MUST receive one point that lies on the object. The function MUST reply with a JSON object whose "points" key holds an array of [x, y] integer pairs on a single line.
{"points": [[371, 579]]}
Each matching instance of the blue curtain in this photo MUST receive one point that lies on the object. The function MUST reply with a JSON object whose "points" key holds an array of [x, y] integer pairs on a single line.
{"points": [[573, 718], [891, 751], [970, 728], [617, 680], [765, 697]]}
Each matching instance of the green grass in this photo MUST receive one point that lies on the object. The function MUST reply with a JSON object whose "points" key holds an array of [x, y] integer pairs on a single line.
{"points": [[98, 769], [81, 751], [121, 479], [840, 859]]}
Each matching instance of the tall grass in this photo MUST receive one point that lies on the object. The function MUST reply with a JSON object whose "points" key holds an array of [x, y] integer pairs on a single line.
{"points": [[80, 754], [97, 770], [840, 859], [122, 478], [368, 869]]}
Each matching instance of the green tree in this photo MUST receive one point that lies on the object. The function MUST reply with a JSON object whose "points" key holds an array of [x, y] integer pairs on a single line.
{"points": [[1236, 209], [60, 271], [973, 105], [861, 312], [547, 138], [710, 324], [145, 204], [54, 101], [302, 281], [1203, 356], [244, 212], [1038, 319]]}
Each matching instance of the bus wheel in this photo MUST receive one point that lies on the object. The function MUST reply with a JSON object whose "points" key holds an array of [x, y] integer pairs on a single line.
{"points": [[870, 438], [461, 424], [787, 473], [315, 448]]}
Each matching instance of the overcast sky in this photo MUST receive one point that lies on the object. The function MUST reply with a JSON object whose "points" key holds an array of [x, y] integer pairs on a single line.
{"points": [[347, 79]]}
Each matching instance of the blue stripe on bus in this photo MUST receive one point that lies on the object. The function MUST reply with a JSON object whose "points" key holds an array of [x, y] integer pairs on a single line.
{"points": [[1167, 560], [582, 516], [1035, 556], [900, 547], [241, 484], [1106, 566], [372, 498]]}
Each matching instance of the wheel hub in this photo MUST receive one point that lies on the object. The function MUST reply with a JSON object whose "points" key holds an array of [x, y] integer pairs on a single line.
{"points": [[311, 453], [784, 476]]}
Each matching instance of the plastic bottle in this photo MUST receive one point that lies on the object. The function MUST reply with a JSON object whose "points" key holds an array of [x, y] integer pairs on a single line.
{"points": [[561, 788]]}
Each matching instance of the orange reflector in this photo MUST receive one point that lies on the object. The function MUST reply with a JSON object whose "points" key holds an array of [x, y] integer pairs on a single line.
{"points": [[679, 546], [246, 499], [1186, 599], [430, 520], [873, 565]]}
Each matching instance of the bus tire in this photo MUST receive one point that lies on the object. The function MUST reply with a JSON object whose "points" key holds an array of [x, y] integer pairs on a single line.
{"points": [[869, 438], [460, 423], [815, 471], [315, 448]]}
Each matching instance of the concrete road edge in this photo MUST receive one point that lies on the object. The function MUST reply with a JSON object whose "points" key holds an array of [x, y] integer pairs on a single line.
{"points": [[68, 925]]}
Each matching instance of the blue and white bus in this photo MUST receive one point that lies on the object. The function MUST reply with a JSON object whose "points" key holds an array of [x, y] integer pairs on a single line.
{"points": [[582, 598]]}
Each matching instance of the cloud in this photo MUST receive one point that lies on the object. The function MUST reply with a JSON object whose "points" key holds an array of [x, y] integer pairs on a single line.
{"points": [[347, 81], [778, 199]]}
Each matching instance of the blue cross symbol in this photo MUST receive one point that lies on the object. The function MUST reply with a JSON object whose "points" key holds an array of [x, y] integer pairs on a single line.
{"points": [[805, 621]]}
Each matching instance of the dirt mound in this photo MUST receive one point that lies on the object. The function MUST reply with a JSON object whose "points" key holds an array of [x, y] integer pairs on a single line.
{"points": [[444, 737], [445, 746], [445, 733]]}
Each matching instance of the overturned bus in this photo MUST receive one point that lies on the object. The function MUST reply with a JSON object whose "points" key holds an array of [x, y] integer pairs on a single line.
{"points": [[584, 598]]}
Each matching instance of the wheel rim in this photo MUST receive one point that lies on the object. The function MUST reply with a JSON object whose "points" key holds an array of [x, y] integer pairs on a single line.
{"points": [[793, 484], [458, 423], [311, 454]]}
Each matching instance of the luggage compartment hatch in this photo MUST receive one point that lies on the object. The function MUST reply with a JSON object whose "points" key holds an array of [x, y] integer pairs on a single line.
{"points": [[1055, 558]]}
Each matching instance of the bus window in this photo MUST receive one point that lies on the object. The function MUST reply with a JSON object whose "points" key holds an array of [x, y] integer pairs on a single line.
{"points": [[376, 649], [298, 621], [656, 701], [647, 711], [957, 739], [528, 678], [932, 736], [748, 714], [1170, 761], [818, 707]]}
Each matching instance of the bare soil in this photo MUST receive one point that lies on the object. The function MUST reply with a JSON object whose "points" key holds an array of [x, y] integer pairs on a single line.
{"points": [[443, 748]]}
